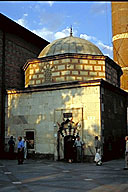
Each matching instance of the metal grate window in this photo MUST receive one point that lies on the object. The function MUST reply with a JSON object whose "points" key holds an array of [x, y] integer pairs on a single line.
{"points": [[48, 75]]}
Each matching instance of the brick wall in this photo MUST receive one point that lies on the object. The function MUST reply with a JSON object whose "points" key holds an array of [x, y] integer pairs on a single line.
{"points": [[120, 38], [14, 52], [17, 51], [71, 68]]}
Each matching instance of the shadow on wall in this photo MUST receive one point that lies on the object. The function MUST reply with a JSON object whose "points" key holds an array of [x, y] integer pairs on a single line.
{"points": [[26, 112]]}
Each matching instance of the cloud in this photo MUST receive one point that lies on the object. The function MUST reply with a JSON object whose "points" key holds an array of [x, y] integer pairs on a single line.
{"points": [[89, 38], [51, 36], [50, 3], [44, 33], [25, 15], [22, 21], [64, 33], [103, 46], [106, 49], [61, 34]]}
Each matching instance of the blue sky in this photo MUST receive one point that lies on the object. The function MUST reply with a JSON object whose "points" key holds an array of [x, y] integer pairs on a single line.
{"points": [[52, 20]]}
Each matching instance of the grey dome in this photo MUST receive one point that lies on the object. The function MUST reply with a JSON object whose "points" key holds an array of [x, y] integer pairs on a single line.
{"points": [[70, 45]]}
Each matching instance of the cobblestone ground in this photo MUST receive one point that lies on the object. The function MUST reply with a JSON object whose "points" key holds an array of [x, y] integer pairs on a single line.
{"points": [[51, 176]]}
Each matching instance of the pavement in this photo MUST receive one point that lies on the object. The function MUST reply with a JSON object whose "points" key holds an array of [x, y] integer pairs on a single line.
{"points": [[54, 176]]}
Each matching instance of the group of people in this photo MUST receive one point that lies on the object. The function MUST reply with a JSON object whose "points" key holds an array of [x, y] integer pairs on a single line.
{"points": [[98, 151], [80, 146], [74, 149], [22, 149]]}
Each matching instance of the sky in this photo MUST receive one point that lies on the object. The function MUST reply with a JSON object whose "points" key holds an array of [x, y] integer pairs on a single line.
{"points": [[52, 20]]}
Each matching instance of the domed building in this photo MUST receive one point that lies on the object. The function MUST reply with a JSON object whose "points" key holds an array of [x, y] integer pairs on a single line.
{"points": [[70, 59], [71, 89]]}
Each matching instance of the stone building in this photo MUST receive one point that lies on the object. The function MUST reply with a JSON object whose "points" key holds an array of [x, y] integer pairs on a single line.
{"points": [[71, 89], [17, 44]]}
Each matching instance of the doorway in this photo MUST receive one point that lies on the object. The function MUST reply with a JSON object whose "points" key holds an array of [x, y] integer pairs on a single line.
{"points": [[69, 149], [30, 138]]}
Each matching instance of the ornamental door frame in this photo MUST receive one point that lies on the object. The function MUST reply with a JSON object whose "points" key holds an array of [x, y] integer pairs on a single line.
{"points": [[66, 122]]}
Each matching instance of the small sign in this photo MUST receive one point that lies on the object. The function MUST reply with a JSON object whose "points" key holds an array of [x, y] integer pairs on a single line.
{"points": [[67, 115]]}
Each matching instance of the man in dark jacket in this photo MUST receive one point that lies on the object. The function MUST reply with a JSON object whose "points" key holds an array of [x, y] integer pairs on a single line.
{"points": [[11, 144]]}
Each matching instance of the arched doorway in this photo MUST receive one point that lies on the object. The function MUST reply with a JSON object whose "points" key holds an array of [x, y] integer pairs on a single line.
{"points": [[67, 133]]}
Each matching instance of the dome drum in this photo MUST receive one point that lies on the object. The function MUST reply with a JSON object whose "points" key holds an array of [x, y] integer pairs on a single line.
{"points": [[69, 68]]}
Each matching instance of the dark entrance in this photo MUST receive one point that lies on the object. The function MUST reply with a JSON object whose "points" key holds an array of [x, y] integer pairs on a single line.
{"points": [[30, 138], [69, 149], [69, 130]]}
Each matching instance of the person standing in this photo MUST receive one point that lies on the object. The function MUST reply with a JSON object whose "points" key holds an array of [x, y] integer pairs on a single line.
{"points": [[11, 144], [97, 144], [126, 153], [97, 151], [78, 144], [25, 147], [20, 150]]}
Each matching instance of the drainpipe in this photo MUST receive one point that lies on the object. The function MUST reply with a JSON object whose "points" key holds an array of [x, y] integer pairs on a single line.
{"points": [[2, 98]]}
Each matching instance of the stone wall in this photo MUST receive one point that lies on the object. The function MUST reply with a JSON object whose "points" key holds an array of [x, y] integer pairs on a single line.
{"points": [[114, 123], [41, 111]]}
